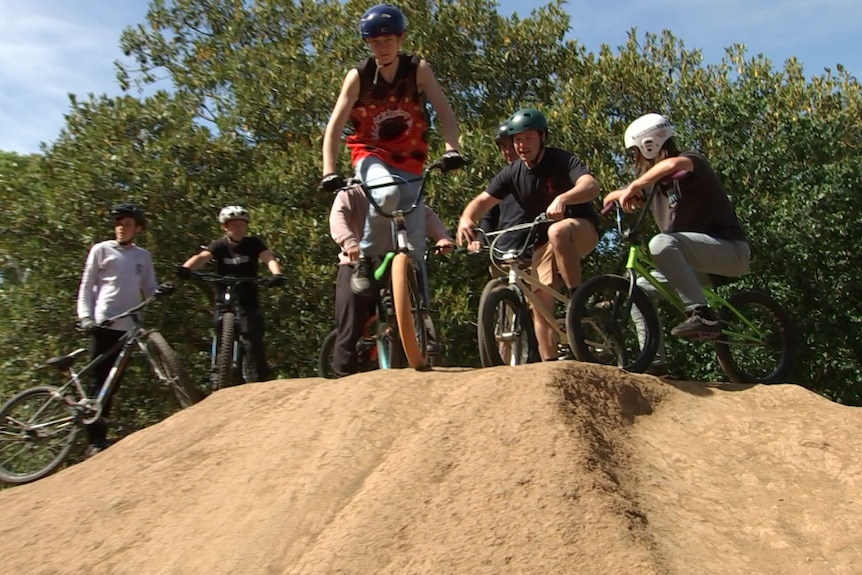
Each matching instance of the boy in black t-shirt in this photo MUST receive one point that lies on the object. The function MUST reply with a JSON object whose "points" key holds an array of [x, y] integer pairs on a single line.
{"points": [[237, 255]]}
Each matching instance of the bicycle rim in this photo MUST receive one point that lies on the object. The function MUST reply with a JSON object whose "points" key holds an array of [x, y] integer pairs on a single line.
{"points": [[408, 311], [601, 327], [505, 326], [37, 431], [760, 346]]}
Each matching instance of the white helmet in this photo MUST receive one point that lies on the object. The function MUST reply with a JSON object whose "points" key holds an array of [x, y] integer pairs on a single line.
{"points": [[233, 213], [649, 133]]}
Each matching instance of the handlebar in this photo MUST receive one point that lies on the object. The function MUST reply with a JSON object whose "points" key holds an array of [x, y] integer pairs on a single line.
{"points": [[396, 181], [495, 236], [228, 281], [650, 194], [164, 289]]}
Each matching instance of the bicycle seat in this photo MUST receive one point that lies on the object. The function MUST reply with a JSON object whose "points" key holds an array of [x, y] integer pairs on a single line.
{"points": [[65, 361]]}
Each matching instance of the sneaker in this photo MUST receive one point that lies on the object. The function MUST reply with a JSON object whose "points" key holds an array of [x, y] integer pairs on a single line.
{"points": [[93, 449], [360, 282], [702, 323]]}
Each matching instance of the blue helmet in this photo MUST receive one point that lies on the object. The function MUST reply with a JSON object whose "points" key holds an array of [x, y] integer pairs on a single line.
{"points": [[381, 20]]}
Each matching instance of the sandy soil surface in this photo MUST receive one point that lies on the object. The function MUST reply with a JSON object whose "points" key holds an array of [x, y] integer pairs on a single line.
{"points": [[551, 468]]}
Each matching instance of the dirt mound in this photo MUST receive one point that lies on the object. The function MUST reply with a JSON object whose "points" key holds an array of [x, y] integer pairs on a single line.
{"points": [[553, 468]]}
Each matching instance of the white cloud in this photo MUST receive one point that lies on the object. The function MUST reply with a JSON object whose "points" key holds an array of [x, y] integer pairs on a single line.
{"points": [[49, 49]]}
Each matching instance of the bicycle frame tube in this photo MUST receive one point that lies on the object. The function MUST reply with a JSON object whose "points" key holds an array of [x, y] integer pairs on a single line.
{"points": [[639, 265], [526, 283]]}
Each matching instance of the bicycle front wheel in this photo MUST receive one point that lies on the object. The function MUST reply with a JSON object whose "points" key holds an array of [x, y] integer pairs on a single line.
{"points": [[167, 364], [480, 331], [224, 353], [605, 326], [37, 431], [408, 311], [757, 345], [505, 328]]}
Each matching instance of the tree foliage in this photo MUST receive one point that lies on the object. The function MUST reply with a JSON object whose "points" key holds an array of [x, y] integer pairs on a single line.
{"points": [[251, 88]]}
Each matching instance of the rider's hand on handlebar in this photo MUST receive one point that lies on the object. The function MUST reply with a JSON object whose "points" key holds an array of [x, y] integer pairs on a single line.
{"points": [[277, 280], [452, 160], [630, 198], [332, 182], [444, 246], [184, 273], [86, 324], [475, 246], [466, 232]]}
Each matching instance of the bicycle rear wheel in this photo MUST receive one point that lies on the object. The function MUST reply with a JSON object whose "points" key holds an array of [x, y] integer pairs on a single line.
{"points": [[407, 300], [37, 431], [168, 363], [601, 328], [365, 356], [759, 344], [224, 353], [505, 328]]}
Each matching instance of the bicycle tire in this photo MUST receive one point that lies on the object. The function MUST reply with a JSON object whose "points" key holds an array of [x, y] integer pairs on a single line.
{"points": [[407, 299], [28, 454], [505, 323], [325, 358], [776, 356], [597, 333], [185, 390], [224, 353], [480, 333]]}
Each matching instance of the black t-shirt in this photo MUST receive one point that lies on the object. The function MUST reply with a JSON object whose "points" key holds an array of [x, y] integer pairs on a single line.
{"points": [[535, 188], [239, 259], [506, 214], [701, 206]]}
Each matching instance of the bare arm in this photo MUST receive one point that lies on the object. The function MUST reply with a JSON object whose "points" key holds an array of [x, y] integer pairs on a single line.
{"points": [[198, 260], [271, 263], [471, 214], [338, 119], [584, 190], [631, 196], [428, 85]]}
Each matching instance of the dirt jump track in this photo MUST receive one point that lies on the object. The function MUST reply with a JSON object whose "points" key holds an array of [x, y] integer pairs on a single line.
{"points": [[540, 469]]}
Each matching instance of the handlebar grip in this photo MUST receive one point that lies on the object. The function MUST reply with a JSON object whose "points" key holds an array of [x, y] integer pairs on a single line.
{"points": [[606, 210]]}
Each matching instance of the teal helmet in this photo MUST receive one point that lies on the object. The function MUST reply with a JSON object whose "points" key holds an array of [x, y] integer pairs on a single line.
{"points": [[527, 119]]}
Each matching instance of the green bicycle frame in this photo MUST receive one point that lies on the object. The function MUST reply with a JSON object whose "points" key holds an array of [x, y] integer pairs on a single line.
{"points": [[639, 265]]}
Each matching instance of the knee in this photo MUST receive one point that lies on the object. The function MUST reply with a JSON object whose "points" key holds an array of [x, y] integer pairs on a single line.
{"points": [[559, 235], [661, 243]]}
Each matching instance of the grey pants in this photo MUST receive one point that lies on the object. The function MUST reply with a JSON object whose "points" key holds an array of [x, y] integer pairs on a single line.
{"points": [[684, 261]]}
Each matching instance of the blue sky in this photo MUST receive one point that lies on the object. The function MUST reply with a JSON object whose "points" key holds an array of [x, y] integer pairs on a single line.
{"points": [[49, 48]]}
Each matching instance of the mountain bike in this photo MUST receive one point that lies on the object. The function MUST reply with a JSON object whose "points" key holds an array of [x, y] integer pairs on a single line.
{"points": [[757, 343], [505, 323], [227, 351], [38, 426], [407, 278]]}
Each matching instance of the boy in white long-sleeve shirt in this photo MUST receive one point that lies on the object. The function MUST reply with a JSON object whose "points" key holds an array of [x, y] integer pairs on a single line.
{"points": [[117, 276], [346, 224]]}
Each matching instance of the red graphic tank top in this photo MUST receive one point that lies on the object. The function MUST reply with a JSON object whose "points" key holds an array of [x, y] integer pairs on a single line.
{"points": [[389, 120]]}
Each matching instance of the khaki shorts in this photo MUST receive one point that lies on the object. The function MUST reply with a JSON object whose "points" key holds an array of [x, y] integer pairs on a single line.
{"points": [[545, 264]]}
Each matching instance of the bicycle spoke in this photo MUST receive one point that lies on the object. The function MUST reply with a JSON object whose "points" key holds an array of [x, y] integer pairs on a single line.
{"points": [[36, 432]]}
